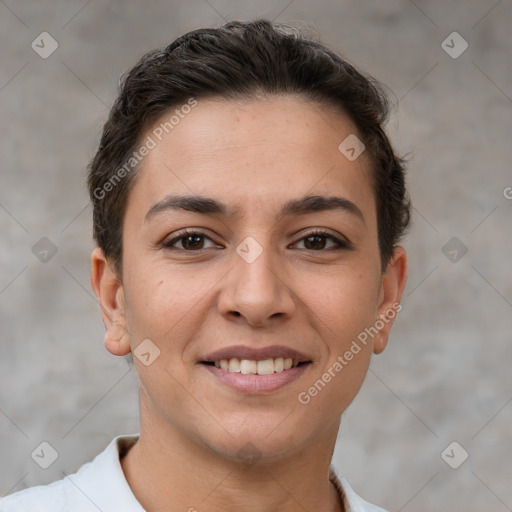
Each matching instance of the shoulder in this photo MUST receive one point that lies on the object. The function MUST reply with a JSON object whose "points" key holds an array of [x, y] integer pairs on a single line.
{"points": [[99, 484], [352, 501], [36, 499]]}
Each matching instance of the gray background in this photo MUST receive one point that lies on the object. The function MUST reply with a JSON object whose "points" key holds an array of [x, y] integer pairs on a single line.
{"points": [[446, 374]]}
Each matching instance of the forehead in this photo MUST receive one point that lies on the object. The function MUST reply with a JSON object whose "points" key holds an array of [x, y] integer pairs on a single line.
{"points": [[251, 154]]}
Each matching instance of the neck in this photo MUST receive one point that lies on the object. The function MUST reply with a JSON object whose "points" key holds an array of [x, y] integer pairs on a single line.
{"points": [[168, 471]]}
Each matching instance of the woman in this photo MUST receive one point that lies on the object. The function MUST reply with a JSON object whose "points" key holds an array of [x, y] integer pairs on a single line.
{"points": [[247, 212]]}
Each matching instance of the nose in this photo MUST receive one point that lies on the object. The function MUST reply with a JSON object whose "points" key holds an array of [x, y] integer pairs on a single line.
{"points": [[256, 291]]}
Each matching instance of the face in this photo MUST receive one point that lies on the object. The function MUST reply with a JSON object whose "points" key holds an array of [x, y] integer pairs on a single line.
{"points": [[249, 245]]}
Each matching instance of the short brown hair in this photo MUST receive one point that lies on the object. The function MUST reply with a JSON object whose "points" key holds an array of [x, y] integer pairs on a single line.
{"points": [[241, 60]]}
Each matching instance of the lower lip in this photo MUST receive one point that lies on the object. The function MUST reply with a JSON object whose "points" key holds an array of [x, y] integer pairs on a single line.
{"points": [[256, 384]]}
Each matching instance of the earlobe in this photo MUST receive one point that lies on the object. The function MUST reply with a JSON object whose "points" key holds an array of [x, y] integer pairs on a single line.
{"points": [[110, 294], [117, 341], [392, 288]]}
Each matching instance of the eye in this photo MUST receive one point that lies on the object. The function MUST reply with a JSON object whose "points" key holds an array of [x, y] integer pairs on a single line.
{"points": [[321, 241], [190, 241]]}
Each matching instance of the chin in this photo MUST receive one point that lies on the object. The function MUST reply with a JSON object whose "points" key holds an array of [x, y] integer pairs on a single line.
{"points": [[252, 450], [258, 440]]}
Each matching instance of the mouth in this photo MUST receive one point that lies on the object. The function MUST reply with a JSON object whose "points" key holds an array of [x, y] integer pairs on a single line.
{"points": [[256, 371]]}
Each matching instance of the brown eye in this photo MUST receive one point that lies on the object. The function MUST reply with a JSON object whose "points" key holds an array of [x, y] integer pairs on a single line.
{"points": [[190, 242], [322, 242], [315, 242]]}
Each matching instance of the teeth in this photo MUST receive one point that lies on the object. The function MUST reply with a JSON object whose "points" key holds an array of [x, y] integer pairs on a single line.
{"points": [[265, 367], [252, 367], [247, 366], [234, 365]]}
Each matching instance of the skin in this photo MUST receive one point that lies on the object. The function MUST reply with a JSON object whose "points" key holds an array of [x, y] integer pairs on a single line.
{"points": [[253, 156]]}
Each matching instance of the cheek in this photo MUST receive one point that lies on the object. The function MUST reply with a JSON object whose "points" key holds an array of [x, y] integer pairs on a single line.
{"points": [[343, 308], [166, 303], [344, 300], [155, 299]]}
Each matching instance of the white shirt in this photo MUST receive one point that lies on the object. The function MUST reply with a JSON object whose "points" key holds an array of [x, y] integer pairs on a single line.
{"points": [[100, 485]]}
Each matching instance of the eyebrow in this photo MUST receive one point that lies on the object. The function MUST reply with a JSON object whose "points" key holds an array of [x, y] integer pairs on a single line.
{"points": [[209, 206]]}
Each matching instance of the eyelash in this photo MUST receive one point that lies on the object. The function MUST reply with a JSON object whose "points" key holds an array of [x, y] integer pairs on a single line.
{"points": [[340, 244]]}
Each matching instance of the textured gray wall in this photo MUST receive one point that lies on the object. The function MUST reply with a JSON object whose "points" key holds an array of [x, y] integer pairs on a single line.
{"points": [[445, 376]]}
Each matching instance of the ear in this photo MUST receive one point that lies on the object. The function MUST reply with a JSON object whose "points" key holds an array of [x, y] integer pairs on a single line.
{"points": [[392, 288], [110, 293]]}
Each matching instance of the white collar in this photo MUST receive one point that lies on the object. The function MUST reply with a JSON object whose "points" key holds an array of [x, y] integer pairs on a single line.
{"points": [[102, 481]]}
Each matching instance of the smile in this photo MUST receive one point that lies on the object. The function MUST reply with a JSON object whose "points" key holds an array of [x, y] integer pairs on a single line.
{"points": [[255, 384], [255, 371]]}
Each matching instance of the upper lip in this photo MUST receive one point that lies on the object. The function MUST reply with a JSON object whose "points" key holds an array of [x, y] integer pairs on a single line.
{"points": [[257, 354]]}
